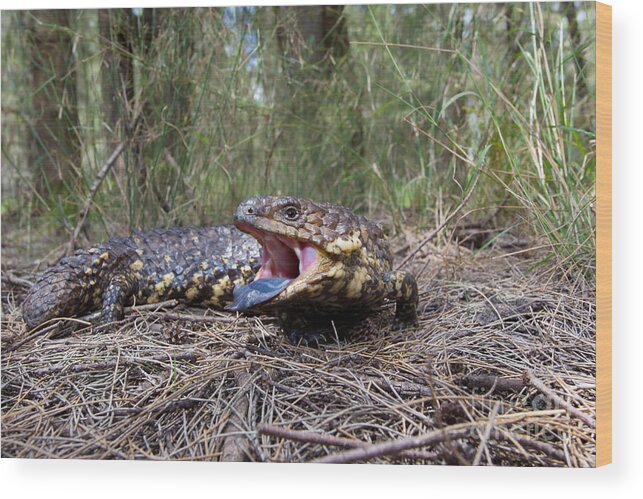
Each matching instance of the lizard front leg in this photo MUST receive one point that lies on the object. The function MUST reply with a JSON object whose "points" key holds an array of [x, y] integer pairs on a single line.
{"points": [[115, 297], [402, 288]]}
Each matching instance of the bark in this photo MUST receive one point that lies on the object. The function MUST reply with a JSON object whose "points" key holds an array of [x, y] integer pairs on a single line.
{"points": [[55, 151], [313, 42]]}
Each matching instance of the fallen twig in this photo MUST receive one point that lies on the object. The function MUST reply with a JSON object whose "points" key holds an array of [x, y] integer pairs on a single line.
{"points": [[134, 309], [486, 435], [86, 319], [171, 406], [525, 441], [393, 447], [235, 446], [35, 334], [491, 383], [531, 379], [172, 316], [111, 364], [403, 387], [82, 215], [324, 439], [11, 278]]}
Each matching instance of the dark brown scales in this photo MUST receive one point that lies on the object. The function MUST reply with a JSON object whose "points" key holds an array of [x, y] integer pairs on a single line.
{"points": [[353, 272], [191, 264], [203, 265]]}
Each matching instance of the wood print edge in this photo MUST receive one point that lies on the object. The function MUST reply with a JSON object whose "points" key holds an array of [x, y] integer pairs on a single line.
{"points": [[603, 234]]}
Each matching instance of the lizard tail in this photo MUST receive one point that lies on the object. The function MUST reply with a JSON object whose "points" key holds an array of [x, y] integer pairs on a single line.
{"points": [[58, 292]]}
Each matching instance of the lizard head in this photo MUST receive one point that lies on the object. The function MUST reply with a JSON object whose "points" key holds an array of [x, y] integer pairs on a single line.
{"points": [[303, 243]]}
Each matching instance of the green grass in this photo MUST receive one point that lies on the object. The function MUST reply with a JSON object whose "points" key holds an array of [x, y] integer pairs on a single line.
{"points": [[428, 95]]}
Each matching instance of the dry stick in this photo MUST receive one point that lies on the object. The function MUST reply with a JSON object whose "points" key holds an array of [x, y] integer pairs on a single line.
{"points": [[543, 447], [393, 447], [486, 435], [235, 446], [324, 439], [35, 334], [92, 193], [171, 316], [10, 278], [171, 406], [439, 228], [174, 316], [138, 308], [267, 168], [89, 318], [191, 356], [531, 378], [495, 383], [404, 387]]}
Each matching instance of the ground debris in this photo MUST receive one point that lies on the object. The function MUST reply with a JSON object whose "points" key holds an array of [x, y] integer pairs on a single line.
{"points": [[500, 370]]}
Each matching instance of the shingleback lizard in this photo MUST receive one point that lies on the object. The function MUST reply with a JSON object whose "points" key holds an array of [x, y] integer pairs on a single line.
{"points": [[318, 267]]}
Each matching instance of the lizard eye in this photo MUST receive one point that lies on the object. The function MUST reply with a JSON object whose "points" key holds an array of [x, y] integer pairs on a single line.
{"points": [[291, 213]]}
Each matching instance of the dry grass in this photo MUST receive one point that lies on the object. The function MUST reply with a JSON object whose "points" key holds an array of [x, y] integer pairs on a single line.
{"points": [[454, 390]]}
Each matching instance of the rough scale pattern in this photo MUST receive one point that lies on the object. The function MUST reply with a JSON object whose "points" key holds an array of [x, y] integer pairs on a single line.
{"points": [[353, 273], [199, 265]]}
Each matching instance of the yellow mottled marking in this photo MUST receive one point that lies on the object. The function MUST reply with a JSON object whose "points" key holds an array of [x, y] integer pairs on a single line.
{"points": [[153, 299], [354, 287], [191, 293], [139, 252], [345, 244], [166, 281], [204, 265], [336, 272], [218, 290], [337, 286], [89, 271], [136, 266], [104, 256], [167, 259], [197, 278]]}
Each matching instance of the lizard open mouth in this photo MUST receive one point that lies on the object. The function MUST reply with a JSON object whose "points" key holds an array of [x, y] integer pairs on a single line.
{"points": [[285, 257], [283, 260]]}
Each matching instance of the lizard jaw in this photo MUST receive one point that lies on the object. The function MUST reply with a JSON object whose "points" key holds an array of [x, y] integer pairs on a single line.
{"points": [[283, 261]]}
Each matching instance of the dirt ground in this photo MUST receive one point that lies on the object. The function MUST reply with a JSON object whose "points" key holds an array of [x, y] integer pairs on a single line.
{"points": [[500, 371]]}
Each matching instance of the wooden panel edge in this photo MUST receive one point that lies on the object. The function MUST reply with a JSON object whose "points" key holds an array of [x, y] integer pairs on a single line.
{"points": [[603, 234]]}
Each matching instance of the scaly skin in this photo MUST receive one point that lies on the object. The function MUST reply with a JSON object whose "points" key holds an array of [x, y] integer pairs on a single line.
{"points": [[199, 265], [349, 276]]}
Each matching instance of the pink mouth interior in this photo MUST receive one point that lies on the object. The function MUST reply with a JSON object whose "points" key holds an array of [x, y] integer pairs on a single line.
{"points": [[283, 256]]}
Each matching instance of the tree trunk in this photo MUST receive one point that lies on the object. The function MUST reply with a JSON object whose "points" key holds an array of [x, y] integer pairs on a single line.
{"points": [[55, 151], [313, 42], [117, 71]]}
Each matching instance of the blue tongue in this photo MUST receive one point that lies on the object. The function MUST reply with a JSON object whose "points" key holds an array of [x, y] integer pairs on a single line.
{"points": [[256, 293]]}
